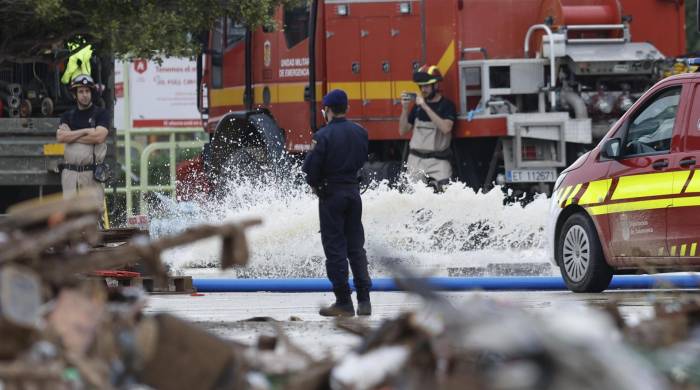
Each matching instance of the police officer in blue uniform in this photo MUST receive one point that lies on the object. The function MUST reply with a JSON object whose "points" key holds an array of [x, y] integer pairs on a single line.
{"points": [[338, 151]]}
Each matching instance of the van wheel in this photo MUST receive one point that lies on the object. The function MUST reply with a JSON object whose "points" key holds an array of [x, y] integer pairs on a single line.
{"points": [[580, 256]]}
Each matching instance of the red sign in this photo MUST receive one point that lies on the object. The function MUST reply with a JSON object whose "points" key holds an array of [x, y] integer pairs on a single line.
{"points": [[140, 66]]}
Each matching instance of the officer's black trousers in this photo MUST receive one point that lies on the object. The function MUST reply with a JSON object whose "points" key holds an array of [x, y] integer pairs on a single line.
{"points": [[343, 239]]}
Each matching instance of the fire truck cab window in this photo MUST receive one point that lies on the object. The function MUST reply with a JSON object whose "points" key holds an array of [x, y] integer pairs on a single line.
{"points": [[235, 32], [217, 48], [651, 131], [296, 25]]}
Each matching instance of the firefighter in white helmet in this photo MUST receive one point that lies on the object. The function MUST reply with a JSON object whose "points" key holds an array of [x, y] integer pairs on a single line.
{"points": [[431, 120], [84, 131]]}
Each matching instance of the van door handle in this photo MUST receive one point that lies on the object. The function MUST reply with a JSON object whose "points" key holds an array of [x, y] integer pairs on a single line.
{"points": [[659, 164], [687, 162]]}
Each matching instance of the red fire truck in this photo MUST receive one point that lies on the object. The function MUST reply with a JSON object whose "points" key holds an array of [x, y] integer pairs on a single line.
{"points": [[535, 81]]}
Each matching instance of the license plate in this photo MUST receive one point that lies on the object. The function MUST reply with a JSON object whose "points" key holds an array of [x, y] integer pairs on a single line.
{"points": [[531, 175]]}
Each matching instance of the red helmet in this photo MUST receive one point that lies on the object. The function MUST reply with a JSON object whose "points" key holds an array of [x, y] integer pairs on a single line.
{"points": [[427, 74]]}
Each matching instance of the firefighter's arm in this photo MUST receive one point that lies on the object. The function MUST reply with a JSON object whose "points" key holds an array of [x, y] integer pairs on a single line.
{"points": [[65, 135], [444, 125], [404, 126], [94, 136], [313, 163]]}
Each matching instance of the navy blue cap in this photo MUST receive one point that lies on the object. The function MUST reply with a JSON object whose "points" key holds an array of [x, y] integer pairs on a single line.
{"points": [[336, 97]]}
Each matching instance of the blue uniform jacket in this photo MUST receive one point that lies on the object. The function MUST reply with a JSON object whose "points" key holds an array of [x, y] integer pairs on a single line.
{"points": [[338, 151]]}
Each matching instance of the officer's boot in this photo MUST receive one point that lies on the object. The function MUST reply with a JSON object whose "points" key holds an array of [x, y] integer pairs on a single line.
{"points": [[364, 307], [342, 307]]}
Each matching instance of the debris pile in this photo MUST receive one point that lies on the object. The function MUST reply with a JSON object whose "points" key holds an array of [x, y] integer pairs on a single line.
{"points": [[485, 344], [62, 330]]}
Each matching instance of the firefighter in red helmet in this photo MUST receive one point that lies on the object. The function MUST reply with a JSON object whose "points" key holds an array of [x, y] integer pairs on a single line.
{"points": [[431, 120]]}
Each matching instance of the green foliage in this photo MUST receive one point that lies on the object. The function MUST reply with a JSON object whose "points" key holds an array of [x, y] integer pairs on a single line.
{"points": [[125, 28], [147, 28]]}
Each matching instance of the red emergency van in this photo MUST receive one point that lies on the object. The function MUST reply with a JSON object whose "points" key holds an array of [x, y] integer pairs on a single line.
{"points": [[632, 204]]}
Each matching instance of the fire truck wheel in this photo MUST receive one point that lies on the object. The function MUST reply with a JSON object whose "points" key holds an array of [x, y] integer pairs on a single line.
{"points": [[580, 256]]}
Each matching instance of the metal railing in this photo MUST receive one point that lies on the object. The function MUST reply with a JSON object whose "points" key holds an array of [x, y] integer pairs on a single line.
{"points": [[144, 153]]}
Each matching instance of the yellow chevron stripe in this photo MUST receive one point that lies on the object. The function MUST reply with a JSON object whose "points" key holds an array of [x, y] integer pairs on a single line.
{"points": [[693, 246], [694, 185], [447, 59], [661, 251], [679, 179], [673, 250], [639, 186], [563, 194], [573, 194], [596, 192], [683, 250]]}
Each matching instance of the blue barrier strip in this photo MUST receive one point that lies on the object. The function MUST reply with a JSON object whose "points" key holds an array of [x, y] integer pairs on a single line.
{"points": [[495, 283]]}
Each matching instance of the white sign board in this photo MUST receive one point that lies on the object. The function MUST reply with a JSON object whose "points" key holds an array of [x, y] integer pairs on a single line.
{"points": [[162, 95]]}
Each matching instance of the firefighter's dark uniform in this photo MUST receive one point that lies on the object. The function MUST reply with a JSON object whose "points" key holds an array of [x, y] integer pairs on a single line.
{"points": [[79, 159], [331, 167]]}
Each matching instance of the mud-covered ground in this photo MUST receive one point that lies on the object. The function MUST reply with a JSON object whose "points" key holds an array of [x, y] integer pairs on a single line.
{"points": [[229, 314]]}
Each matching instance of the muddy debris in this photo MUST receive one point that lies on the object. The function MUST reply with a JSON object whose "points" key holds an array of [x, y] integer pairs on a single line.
{"points": [[62, 329]]}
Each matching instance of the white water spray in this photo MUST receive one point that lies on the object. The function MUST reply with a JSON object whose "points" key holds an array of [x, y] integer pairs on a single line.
{"points": [[426, 231]]}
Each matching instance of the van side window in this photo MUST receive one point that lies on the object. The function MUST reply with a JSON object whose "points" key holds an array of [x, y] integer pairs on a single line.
{"points": [[651, 130], [296, 24]]}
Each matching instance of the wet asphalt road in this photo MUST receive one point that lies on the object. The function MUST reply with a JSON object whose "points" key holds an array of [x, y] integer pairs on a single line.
{"points": [[226, 314]]}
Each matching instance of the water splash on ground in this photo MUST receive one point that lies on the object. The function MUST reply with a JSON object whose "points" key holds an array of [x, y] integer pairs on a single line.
{"points": [[427, 231]]}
